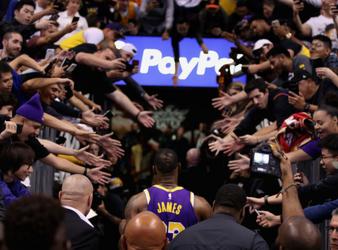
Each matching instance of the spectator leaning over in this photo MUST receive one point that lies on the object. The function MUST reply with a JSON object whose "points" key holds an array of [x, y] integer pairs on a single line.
{"points": [[147, 225], [30, 117], [35, 222], [311, 91], [315, 25], [90, 65], [321, 48], [175, 206], [223, 229], [16, 165], [76, 197], [22, 22], [11, 45], [284, 64], [66, 17]]}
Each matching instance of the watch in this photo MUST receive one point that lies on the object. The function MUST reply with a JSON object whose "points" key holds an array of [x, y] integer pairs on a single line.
{"points": [[307, 107]]}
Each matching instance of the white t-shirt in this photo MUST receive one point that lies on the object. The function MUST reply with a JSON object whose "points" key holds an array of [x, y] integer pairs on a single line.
{"points": [[65, 20], [318, 24]]}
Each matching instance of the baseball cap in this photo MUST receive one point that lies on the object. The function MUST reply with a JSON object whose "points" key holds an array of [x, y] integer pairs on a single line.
{"points": [[302, 74], [260, 43], [129, 47]]}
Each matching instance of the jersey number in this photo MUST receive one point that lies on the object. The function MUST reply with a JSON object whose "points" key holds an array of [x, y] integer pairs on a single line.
{"points": [[174, 228]]}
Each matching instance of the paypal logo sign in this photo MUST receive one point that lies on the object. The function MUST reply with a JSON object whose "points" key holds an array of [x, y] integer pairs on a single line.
{"points": [[196, 69]]}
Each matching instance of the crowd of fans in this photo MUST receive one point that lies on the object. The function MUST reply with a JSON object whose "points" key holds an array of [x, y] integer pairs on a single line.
{"points": [[243, 182]]}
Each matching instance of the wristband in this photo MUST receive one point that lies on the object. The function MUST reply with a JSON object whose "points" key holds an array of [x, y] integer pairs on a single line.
{"points": [[85, 171], [266, 200], [138, 114]]}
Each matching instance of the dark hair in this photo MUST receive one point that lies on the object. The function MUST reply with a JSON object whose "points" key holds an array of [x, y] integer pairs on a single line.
{"points": [[166, 161], [330, 104], [330, 143], [230, 195], [276, 51], [258, 83], [21, 3], [32, 223], [4, 68], [7, 99], [8, 33], [326, 40], [14, 155]]}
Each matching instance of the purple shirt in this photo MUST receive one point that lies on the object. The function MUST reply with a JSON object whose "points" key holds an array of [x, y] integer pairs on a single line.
{"points": [[175, 207], [312, 148], [12, 191]]}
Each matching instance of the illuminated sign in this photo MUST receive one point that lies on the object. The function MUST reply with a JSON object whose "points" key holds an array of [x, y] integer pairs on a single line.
{"points": [[196, 69]]}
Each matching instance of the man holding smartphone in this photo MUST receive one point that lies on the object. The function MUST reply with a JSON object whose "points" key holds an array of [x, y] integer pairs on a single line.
{"points": [[71, 15]]}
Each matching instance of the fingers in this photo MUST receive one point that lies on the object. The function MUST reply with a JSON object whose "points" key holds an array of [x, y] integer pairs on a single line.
{"points": [[84, 148]]}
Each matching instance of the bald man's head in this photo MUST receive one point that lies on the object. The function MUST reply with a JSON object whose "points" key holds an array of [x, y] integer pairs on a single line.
{"points": [[193, 157], [298, 233], [77, 192], [144, 231]]}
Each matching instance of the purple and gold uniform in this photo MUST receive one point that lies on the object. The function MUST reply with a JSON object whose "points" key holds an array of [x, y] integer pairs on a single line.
{"points": [[175, 207]]}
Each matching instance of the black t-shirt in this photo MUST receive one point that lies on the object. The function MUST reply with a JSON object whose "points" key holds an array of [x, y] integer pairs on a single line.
{"points": [[326, 86], [39, 150], [90, 79]]}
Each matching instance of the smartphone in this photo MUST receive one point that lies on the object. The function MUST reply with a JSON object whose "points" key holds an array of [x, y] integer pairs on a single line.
{"points": [[71, 68], [50, 53], [19, 128], [135, 63], [75, 19], [108, 114]]}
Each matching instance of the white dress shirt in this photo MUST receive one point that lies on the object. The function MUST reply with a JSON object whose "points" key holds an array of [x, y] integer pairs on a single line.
{"points": [[81, 215], [65, 20]]}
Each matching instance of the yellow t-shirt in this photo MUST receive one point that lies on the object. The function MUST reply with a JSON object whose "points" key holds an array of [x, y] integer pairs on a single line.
{"points": [[73, 41]]}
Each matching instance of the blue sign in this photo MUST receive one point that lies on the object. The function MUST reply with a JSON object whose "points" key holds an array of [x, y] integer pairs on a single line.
{"points": [[196, 68]]}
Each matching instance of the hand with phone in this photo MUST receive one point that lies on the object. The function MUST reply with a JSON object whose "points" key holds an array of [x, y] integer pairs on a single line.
{"points": [[267, 219], [11, 128], [297, 7]]}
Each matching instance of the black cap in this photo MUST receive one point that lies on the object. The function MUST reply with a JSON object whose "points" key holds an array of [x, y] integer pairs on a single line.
{"points": [[302, 74], [230, 195]]}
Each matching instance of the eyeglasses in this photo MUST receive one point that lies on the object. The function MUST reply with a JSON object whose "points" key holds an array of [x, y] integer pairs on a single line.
{"points": [[331, 229]]}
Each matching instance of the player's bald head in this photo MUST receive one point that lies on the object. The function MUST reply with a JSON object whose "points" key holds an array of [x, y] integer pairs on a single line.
{"points": [[145, 231], [298, 233]]}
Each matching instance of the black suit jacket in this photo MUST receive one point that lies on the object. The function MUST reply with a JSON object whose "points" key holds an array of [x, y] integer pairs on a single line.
{"points": [[81, 235]]}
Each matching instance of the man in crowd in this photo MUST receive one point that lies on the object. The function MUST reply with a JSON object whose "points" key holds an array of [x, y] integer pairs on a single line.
{"points": [[224, 226], [177, 207], [76, 197]]}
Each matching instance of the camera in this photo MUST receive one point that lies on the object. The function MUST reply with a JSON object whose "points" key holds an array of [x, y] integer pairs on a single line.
{"points": [[264, 162]]}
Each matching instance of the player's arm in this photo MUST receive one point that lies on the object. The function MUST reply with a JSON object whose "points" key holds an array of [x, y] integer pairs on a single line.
{"points": [[202, 208]]}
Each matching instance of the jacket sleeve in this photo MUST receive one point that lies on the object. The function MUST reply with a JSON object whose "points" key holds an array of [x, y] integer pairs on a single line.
{"points": [[321, 191], [318, 213]]}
